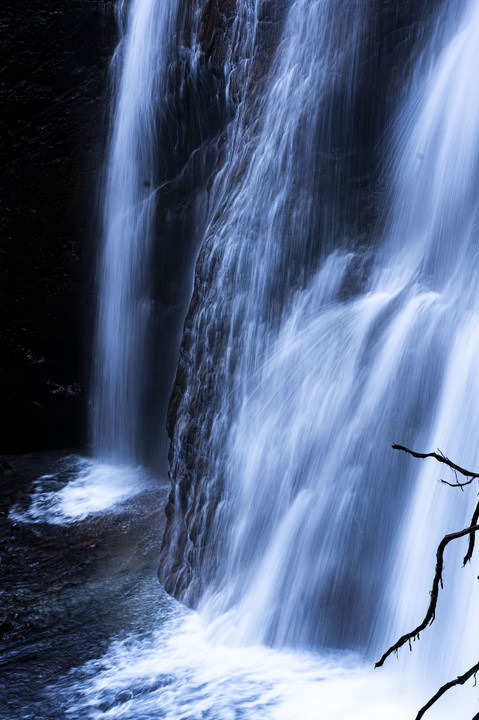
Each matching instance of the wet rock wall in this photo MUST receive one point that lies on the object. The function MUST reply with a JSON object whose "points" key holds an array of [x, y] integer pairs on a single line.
{"points": [[396, 33]]}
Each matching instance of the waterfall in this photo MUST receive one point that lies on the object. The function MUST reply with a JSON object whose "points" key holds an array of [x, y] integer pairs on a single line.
{"points": [[310, 345], [307, 354], [331, 314], [125, 322]]}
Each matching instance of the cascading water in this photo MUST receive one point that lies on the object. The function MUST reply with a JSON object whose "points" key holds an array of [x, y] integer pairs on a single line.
{"points": [[125, 317], [301, 373], [274, 212], [316, 371], [439, 147]]}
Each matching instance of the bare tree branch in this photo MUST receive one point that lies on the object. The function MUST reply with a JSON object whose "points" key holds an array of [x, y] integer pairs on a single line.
{"points": [[429, 618], [430, 614], [443, 459], [458, 681], [457, 483], [472, 538]]}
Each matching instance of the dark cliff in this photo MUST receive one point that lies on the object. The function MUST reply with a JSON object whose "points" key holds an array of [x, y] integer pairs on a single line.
{"points": [[53, 79]]}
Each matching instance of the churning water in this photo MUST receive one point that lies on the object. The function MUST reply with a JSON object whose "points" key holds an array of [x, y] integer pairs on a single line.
{"points": [[177, 673], [317, 354]]}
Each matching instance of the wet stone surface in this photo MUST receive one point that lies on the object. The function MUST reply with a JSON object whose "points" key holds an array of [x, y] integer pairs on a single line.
{"points": [[66, 590]]}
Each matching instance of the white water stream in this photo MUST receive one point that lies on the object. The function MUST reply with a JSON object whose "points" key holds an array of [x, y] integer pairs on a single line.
{"points": [[125, 314]]}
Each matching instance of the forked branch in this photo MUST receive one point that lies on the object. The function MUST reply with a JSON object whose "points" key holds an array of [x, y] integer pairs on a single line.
{"points": [[431, 611], [440, 457], [430, 615], [443, 459]]}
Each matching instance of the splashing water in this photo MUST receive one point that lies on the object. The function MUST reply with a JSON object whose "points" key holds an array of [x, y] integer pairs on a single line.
{"points": [[175, 671], [82, 487]]}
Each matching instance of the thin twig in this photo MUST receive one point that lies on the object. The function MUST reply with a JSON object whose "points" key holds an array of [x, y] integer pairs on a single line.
{"points": [[442, 458], [459, 484], [429, 618], [458, 681]]}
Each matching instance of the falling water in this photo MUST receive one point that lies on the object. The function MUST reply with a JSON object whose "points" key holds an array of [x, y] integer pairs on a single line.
{"points": [[438, 145], [125, 316], [319, 358], [275, 213]]}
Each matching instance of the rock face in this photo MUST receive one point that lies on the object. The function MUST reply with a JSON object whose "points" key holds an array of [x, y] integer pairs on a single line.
{"points": [[397, 32], [53, 90], [221, 67]]}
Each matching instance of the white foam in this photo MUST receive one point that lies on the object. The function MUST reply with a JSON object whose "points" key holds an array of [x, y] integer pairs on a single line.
{"points": [[80, 488], [177, 672]]}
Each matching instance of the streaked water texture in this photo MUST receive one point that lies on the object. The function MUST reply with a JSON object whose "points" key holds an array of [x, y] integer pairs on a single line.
{"points": [[322, 359], [125, 314]]}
